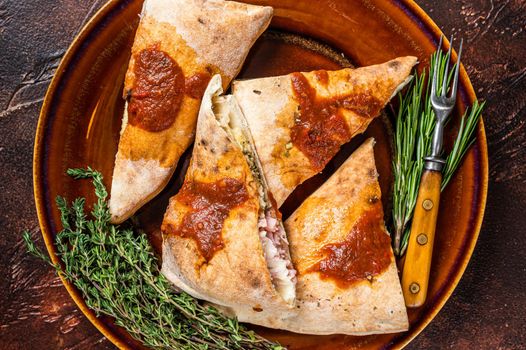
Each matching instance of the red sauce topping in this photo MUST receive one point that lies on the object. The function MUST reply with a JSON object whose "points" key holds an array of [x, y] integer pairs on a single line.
{"points": [[364, 253], [195, 85], [210, 205], [320, 128], [158, 91], [322, 76], [274, 205]]}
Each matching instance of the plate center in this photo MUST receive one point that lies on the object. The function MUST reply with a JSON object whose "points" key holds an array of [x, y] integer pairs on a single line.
{"points": [[278, 53]]}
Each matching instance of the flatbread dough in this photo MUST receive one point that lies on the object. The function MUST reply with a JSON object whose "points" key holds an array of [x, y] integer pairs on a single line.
{"points": [[371, 305], [293, 148], [196, 38], [236, 276]]}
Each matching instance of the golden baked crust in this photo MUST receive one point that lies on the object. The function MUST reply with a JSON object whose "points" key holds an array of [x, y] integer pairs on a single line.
{"points": [[202, 37], [271, 109], [237, 275], [327, 216]]}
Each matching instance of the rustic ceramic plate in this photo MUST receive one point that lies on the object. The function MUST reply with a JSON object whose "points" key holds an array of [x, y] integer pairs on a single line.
{"points": [[81, 116]]}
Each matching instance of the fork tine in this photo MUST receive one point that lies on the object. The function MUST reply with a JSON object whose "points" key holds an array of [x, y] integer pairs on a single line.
{"points": [[446, 69], [457, 70], [434, 81]]}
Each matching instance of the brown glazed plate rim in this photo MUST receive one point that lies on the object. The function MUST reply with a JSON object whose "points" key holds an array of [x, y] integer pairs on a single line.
{"points": [[411, 10]]}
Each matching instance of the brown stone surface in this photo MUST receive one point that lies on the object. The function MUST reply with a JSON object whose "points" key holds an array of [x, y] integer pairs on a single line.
{"points": [[488, 308]]}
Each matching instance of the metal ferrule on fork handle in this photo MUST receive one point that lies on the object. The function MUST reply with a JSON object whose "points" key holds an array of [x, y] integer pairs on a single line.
{"points": [[435, 162]]}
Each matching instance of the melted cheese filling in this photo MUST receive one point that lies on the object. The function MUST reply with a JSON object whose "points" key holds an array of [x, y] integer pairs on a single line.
{"points": [[271, 231]]}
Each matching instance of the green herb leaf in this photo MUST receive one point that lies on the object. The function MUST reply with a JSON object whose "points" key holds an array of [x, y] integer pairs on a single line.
{"points": [[115, 269], [414, 128], [465, 138]]}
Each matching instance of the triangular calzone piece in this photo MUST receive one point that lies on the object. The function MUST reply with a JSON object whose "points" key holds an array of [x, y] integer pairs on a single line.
{"points": [[223, 239], [299, 121], [178, 46], [347, 277]]}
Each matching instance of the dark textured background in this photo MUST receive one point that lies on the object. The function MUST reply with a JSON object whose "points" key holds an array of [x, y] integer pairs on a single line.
{"points": [[486, 311]]}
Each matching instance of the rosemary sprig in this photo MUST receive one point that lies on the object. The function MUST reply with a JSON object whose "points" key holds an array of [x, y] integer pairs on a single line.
{"points": [[413, 135], [118, 275], [464, 140], [405, 167]]}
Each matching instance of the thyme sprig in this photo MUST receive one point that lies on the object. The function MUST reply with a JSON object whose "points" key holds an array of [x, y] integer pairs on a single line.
{"points": [[414, 127], [115, 269]]}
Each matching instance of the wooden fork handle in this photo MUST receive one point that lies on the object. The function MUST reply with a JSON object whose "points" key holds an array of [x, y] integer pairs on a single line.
{"points": [[415, 276]]}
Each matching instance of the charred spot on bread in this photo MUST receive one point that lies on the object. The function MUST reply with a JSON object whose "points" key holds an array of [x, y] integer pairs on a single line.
{"points": [[394, 64], [372, 173], [210, 69], [255, 282]]}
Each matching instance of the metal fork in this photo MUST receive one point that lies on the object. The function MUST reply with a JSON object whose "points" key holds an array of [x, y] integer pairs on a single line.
{"points": [[415, 276], [442, 106]]}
